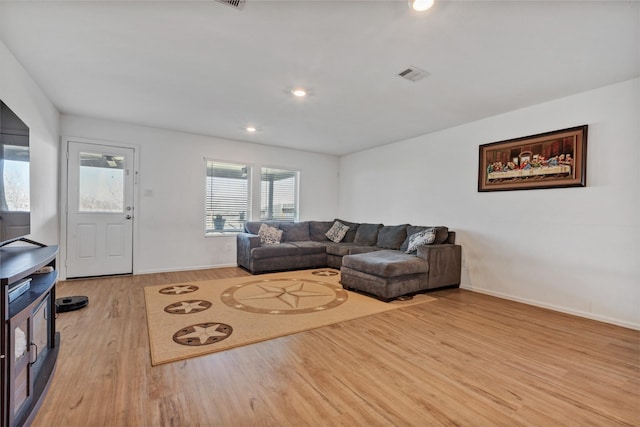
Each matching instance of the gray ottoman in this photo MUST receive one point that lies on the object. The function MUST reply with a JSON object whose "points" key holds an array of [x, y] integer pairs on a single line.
{"points": [[385, 274]]}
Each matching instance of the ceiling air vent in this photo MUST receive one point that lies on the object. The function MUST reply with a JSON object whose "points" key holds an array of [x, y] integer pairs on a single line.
{"points": [[414, 74], [236, 4]]}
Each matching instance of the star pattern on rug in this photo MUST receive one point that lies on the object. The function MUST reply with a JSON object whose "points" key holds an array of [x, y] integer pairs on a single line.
{"points": [[178, 289], [325, 273], [283, 296], [186, 307], [202, 334], [290, 295]]}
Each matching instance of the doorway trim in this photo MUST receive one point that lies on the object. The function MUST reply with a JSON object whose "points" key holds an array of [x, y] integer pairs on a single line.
{"points": [[64, 196]]}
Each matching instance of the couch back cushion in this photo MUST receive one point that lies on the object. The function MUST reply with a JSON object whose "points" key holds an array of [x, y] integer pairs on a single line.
{"points": [[367, 234], [442, 234], [318, 230], [392, 236], [351, 234], [295, 231]]}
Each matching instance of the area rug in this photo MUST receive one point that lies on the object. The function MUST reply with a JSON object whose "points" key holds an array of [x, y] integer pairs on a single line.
{"points": [[196, 318]]}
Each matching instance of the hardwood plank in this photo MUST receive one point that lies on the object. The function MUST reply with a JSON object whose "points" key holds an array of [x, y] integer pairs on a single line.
{"points": [[465, 359]]}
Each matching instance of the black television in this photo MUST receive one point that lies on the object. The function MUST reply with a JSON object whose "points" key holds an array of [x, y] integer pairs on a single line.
{"points": [[15, 201]]}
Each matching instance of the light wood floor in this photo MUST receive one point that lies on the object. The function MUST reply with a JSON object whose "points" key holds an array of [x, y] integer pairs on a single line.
{"points": [[466, 359]]}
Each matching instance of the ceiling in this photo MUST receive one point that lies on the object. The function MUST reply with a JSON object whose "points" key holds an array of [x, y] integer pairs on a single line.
{"points": [[206, 68]]}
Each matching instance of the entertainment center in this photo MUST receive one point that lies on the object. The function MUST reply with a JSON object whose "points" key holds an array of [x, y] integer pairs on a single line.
{"points": [[29, 342]]}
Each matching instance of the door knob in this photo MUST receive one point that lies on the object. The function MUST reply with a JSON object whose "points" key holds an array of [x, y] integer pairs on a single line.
{"points": [[128, 216]]}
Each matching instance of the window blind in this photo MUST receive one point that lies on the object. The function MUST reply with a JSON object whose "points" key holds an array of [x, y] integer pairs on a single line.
{"points": [[227, 204], [279, 194]]}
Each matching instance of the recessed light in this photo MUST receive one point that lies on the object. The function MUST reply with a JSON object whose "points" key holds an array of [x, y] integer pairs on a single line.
{"points": [[299, 92], [250, 129], [420, 5]]}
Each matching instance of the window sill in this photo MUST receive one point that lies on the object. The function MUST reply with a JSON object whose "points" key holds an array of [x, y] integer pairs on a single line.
{"points": [[221, 234]]}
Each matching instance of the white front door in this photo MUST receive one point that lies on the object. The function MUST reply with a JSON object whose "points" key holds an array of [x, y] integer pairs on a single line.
{"points": [[99, 210]]}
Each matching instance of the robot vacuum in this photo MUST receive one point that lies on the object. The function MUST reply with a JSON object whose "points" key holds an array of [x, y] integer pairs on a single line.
{"points": [[71, 303]]}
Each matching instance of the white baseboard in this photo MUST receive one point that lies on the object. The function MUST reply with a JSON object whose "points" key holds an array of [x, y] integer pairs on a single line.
{"points": [[566, 310], [200, 267]]}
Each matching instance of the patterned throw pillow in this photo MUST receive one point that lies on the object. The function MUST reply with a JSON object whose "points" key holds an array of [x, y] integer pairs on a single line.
{"points": [[421, 238], [269, 235], [337, 232]]}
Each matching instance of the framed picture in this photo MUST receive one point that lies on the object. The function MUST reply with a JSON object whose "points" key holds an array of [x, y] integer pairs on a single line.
{"points": [[548, 160]]}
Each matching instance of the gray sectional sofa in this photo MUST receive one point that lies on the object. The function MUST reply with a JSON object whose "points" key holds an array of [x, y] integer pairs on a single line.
{"points": [[371, 257]]}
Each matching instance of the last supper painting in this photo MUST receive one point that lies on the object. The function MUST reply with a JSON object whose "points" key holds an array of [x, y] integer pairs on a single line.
{"points": [[547, 160]]}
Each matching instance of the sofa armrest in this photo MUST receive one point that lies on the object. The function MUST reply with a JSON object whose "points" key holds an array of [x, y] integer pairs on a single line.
{"points": [[244, 243], [445, 264]]}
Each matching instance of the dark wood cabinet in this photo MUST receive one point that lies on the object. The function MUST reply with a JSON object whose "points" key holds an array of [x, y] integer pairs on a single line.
{"points": [[29, 339]]}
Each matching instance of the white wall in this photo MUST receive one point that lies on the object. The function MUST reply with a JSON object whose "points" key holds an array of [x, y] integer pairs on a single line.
{"points": [[170, 222], [575, 250], [27, 100]]}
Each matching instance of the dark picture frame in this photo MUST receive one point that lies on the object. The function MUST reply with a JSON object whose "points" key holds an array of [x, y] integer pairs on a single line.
{"points": [[556, 159]]}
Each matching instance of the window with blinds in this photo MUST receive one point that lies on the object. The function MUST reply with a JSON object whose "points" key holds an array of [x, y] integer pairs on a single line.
{"points": [[227, 205], [279, 194]]}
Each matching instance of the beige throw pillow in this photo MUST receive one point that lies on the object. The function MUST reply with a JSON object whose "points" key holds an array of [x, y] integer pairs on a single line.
{"points": [[421, 238], [337, 232], [269, 235]]}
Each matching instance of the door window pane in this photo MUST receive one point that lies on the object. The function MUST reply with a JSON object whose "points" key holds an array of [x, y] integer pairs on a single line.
{"points": [[101, 183]]}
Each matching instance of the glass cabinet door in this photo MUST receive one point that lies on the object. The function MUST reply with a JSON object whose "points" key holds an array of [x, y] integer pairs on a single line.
{"points": [[22, 386], [40, 334]]}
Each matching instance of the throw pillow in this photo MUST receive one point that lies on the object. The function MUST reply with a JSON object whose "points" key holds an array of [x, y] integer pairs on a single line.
{"points": [[269, 235], [353, 229], [421, 238], [337, 232]]}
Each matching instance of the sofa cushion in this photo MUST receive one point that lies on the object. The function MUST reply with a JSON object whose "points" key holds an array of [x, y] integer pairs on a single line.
{"points": [[442, 234], [421, 238], [362, 249], [339, 249], [386, 263], [269, 235], [295, 231], [337, 232], [309, 247], [318, 230], [367, 234], [272, 251], [392, 236], [342, 249], [351, 234]]}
